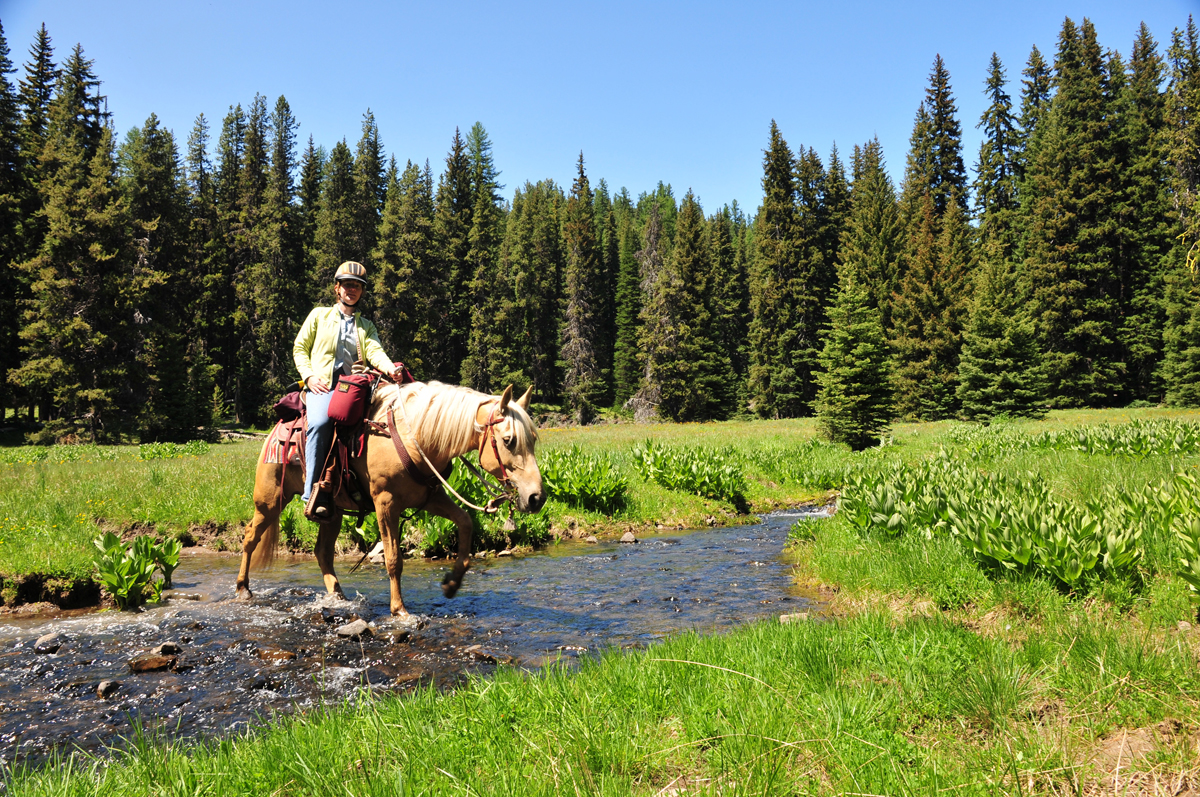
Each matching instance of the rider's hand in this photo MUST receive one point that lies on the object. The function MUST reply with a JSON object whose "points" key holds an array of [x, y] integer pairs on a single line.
{"points": [[317, 385], [398, 376]]}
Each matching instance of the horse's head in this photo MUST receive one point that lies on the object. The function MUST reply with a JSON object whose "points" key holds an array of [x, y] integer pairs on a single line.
{"points": [[511, 455]]}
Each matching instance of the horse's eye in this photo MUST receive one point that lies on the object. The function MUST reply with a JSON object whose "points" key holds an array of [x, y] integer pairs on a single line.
{"points": [[508, 441]]}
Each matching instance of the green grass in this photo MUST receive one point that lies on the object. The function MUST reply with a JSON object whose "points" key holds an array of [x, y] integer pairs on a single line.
{"points": [[926, 673]]}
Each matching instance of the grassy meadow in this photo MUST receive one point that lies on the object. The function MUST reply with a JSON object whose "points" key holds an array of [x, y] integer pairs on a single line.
{"points": [[932, 668]]}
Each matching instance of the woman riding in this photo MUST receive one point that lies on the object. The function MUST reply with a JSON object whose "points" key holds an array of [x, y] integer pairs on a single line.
{"points": [[330, 341]]}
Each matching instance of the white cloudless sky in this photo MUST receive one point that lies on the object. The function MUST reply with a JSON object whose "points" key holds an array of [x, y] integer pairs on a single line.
{"points": [[648, 91]]}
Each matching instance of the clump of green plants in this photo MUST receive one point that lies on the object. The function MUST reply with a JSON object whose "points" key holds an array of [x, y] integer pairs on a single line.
{"points": [[706, 472], [193, 448], [1012, 524], [127, 572], [587, 481], [1137, 439]]}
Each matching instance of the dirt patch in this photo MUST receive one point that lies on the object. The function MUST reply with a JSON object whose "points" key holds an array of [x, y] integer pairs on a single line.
{"points": [[1122, 756], [57, 591], [213, 535]]}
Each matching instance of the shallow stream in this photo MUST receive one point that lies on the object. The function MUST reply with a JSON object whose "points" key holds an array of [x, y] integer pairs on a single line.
{"points": [[239, 663]]}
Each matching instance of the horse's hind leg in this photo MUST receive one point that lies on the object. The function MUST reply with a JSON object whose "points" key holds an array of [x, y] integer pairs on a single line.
{"points": [[263, 528], [327, 534]]}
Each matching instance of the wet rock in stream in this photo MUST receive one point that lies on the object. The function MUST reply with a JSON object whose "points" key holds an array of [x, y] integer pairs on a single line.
{"points": [[49, 643]]}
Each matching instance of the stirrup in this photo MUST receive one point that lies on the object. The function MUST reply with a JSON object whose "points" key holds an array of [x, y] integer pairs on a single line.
{"points": [[320, 504]]}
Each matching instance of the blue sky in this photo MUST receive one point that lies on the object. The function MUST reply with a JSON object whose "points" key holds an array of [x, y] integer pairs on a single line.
{"points": [[649, 91]]}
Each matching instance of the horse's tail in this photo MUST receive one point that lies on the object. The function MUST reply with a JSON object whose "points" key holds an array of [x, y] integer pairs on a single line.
{"points": [[268, 543]]}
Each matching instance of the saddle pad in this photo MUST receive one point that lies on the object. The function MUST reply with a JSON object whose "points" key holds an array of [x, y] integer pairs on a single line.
{"points": [[272, 453]]}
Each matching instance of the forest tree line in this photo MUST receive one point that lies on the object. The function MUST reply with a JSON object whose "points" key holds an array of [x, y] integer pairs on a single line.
{"points": [[152, 289]]}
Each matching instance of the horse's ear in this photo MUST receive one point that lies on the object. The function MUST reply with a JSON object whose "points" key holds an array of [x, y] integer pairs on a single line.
{"points": [[505, 397], [524, 400]]}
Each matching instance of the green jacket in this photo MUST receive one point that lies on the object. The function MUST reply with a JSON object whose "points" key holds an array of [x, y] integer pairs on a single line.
{"points": [[316, 344]]}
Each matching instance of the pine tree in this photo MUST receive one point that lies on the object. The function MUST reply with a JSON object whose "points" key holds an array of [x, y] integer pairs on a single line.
{"points": [[835, 207], [730, 301], [1145, 216], [452, 228], [626, 372], [85, 279], [583, 384], [691, 372], [651, 260], [335, 242], [854, 401], [996, 181], [153, 186], [1073, 287], [201, 315], [1035, 100], [530, 275], [12, 190], [606, 285], [1181, 337], [369, 189], [485, 298], [782, 347], [872, 241], [999, 371], [405, 265]]}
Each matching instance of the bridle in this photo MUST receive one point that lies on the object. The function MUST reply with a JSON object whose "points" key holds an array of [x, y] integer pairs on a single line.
{"points": [[489, 432]]}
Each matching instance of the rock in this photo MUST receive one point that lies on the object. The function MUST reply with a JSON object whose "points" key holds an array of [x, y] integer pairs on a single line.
{"points": [[1184, 625], [48, 643], [152, 663], [710, 521], [591, 540], [353, 630], [275, 655], [479, 654], [505, 552], [166, 649], [106, 688], [176, 595], [628, 537], [376, 554], [395, 636], [799, 617]]}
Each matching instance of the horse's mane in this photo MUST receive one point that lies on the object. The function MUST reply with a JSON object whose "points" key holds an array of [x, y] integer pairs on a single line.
{"points": [[444, 415]]}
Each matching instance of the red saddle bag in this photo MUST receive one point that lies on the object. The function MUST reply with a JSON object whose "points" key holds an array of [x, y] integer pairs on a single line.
{"points": [[351, 395]]}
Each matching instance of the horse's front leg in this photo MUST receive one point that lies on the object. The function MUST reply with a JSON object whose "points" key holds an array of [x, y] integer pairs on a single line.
{"points": [[327, 534], [387, 513], [442, 505]]}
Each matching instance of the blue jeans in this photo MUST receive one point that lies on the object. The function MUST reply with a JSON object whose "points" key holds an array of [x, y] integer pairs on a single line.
{"points": [[320, 435]]}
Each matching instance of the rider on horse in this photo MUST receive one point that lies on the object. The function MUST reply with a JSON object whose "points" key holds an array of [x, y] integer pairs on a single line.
{"points": [[330, 341]]}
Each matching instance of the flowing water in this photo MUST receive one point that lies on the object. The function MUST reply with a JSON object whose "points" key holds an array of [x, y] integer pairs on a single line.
{"points": [[239, 663]]}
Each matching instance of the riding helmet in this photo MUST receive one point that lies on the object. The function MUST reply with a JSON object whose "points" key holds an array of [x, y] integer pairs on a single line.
{"points": [[351, 270]]}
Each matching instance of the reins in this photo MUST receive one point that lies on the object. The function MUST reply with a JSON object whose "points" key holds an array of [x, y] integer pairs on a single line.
{"points": [[499, 496]]}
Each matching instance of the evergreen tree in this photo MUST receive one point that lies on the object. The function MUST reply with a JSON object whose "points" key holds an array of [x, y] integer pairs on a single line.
{"points": [[583, 384], [312, 167], [835, 207], [999, 371], [1181, 337], [202, 320], [854, 401], [606, 286], [782, 332], [1144, 215], [85, 279], [1069, 257], [996, 181], [487, 233], [405, 266], [691, 372], [36, 90], [12, 191], [452, 228], [530, 274], [730, 302], [626, 372], [1035, 99], [873, 240], [369, 189], [155, 193], [651, 261], [335, 242]]}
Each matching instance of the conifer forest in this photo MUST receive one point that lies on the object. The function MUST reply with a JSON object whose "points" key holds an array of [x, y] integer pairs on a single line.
{"points": [[154, 286]]}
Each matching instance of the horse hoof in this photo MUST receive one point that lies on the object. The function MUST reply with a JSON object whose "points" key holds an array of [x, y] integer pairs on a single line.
{"points": [[449, 587], [244, 595]]}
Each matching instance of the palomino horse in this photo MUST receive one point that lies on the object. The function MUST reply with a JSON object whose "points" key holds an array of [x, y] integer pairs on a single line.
{"points": [[437, 423]]}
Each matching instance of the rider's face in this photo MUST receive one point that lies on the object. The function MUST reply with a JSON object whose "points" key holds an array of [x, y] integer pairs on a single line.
{"points": [[349, 292]]}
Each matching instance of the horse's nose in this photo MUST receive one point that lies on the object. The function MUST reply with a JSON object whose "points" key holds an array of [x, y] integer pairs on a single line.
{"points": [[536, 500]]}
